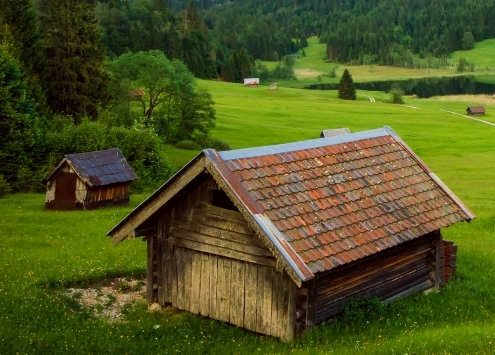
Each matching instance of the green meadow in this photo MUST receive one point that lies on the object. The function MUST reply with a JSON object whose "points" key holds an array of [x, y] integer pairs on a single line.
{"points": [[312, 68], [43, 253], [482, 55]]}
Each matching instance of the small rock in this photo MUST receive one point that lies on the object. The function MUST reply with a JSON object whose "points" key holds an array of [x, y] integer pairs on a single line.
{"points": [[154, 307]]}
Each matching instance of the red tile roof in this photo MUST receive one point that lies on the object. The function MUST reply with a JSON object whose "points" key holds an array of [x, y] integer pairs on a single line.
{"points": [[344, 198], [325, 202]]}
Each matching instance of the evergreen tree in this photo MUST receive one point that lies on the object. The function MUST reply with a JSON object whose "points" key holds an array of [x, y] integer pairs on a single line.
{"points": [[304, 42], [75, 81], [467, 41], [22, 22], [24, 44], [346, 87], [18, 117], [243, 64]]}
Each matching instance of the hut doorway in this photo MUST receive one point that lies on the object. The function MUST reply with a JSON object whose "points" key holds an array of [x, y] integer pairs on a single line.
{"points": [[65, 191]]}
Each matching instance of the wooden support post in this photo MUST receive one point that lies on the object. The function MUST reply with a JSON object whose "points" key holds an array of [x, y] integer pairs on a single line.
{"points": [[149, 272], [311, 301], [160, 280], [439, 261]]}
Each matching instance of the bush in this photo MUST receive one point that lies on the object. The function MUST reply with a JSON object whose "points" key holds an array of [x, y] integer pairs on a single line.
{"points": [[188, 145], [140, 146], [217, 144], [4, 187], [396, 96], [207, 141], [359, 311]]}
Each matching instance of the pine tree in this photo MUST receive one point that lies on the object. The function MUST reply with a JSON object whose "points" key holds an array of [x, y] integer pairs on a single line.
{"points": [[17, 120], [346, 87], [75, 81]]}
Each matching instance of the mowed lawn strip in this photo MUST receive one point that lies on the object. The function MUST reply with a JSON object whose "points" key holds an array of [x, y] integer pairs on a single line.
{"points": [[44, 251]]}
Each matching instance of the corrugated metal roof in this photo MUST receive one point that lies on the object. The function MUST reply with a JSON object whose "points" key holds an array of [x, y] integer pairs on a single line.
{"points": [[334, 132], [99, 168]]}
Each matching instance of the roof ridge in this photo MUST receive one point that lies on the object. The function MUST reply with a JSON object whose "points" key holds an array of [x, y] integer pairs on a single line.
{"points": [[301, 145]]}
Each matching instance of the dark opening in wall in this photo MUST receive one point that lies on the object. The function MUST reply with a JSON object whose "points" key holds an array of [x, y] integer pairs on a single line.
{"points": [[220, 199]]}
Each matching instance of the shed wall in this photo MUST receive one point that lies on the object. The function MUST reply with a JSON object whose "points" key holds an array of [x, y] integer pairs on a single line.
{"points": [[206, 259], [107, 195], [408, 266]]}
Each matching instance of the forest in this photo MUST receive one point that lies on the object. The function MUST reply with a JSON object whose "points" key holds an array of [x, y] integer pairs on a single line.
{"points": [[390, 32]]}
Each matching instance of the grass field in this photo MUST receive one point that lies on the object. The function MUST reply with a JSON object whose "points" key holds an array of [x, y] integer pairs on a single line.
{"points": [[482, 55], [308, 68], [44, 251]]}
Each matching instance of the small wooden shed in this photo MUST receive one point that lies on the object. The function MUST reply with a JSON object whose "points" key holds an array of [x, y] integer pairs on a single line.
{"points": [[276, 239], [89, 180], [475, 110], [334, 132]]}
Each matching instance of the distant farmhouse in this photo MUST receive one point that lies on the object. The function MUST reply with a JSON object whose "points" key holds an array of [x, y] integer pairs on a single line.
{"points": [[475, 110], [251, 82], [276, 239], [89, 180]]}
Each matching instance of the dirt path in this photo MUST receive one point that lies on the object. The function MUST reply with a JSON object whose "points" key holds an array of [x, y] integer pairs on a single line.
{"points": [[372, 99], [471, 118]]}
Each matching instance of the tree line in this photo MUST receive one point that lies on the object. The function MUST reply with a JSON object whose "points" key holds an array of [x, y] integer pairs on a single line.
{"points": [[394, 32]]}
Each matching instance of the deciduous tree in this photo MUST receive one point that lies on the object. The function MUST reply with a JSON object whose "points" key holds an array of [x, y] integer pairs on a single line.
{"points": [[169, 97]]}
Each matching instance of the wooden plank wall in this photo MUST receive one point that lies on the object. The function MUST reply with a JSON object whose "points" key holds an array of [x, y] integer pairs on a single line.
{"points": [[214, 265], [255, 297], [388, 273], [114, 192]]}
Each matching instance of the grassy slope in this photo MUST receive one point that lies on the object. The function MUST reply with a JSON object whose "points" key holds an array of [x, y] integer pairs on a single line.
{"points": [[482, 55], [41, 249], [308, 68]]}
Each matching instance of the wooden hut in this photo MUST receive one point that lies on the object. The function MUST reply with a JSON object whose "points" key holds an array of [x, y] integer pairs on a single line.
{"points": [[251, 82], [89, 180], [275, 239], [334, 132], [475, 110]]}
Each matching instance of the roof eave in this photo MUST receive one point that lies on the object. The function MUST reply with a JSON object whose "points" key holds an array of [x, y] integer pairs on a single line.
{"points": [[252, 211], [127, 225], [435, 178]]}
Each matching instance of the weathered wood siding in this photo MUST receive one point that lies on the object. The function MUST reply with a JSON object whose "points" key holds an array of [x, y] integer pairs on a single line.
{"points": [[392, 272], [207, 260], [108, 195], [61, 193], [67, 191]]}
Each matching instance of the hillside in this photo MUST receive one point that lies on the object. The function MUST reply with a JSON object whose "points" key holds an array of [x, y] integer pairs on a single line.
{"points": [[482, 55], [388, 32]]}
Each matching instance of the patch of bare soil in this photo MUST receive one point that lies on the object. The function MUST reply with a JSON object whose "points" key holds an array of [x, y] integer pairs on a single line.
{"points": [[480, 99], [110, 299], [307, 73]]}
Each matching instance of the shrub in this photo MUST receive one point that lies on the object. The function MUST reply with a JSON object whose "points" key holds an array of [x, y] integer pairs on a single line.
{"points": [[4, 187], [396, 96], [218, 144], [188, 145], [358, 311], [140, 146], [207, 141]]}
